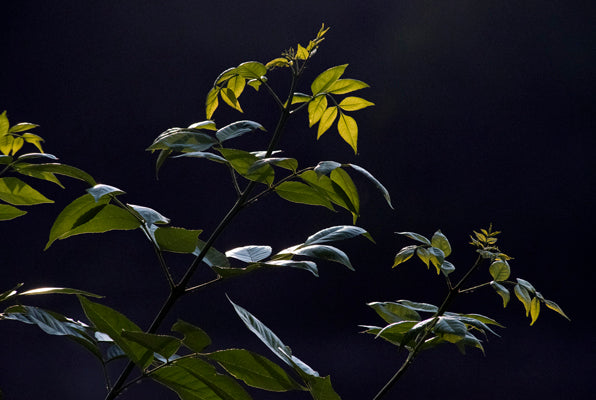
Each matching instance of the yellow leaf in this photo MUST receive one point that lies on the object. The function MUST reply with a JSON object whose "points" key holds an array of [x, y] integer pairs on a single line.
{"points": [[534, 309], [348, 130], [302, 53], [6, 144], [211, 103], [327, 120], [236, 84], [228, 96], [17, 143], [316, 107], [353, 103], [278, 62], [34, 140]]}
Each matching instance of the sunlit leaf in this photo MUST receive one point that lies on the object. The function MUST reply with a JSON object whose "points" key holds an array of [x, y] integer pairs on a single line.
{"points": [[326, 120], [228, 96], [522, 294], [251, 70], [320, 388], [343, 180], [335, 233], [149, 215], [501, 291], [176, 240], [60, 169], [184, 140], [450, 329], [300, 98], [555, 307], [57, 290], [211, 102], [298, 192], [249, 254], [22, 127], [282, 162], [534, 309], [527, 285], [375, 181], [6, 144], [203, 154], [194, 337], [416, 306], [352, 103], [500, 270], [213, 256], [279, 62], [394, 312], [17, 143], [236, 84], [8, 212], [404, 255], [4, 124], [327, 78], [348, 130], [324, 252], [164, 345], [100, 190], [424, 254], [236, 129], [316, 108], [343, 86], [415, 236], [18, 193], [33, 139], [325, 167], [440, 241], [241, 161], [306, 265], [29, 156]]}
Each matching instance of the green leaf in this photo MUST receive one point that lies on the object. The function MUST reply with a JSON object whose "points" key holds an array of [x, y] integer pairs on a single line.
{"points": [[60, 169], [326, 167], [306, 265], [229, 97], [416, 306], [10, 293], [184, 140], [241, 161], [447, 268], [483, 319], [229, 272], [30, 156], [251, 70], [194, 337], [321, 389], [404, 255], [301, 53], [522, 294], [211, 102], [534, 309], [271, 340], [335, 233], [316, 109], [298, 192], [177, 240], [8, 212], [287, 163], [500, 270], [327, 78], [6, 142], [4, 124], [326, 120], [16, 192], [202, 154], [101, 190], [353, 103], [415, 236], [249, 254], [56, 290], [394, 312], [440, 241], [85, 215], [424, 254], [279, 62], [236, 84], [111, 322], [255, 370], [164, 345], [195, 379], [21, 168], [343, 180], [323, 252], [348, 130], [374, 180], [21, 127], [343, 86], [555, 307], [213, 256], [236, 129], [33, 139], [527, 285], [437, 257], [5, 159], [17, 143], [501, 291], [450, 329]]}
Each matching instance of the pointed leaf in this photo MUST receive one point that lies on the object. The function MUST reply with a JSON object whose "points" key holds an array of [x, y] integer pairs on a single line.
{"points": [[316, 109], [203, 154], [335, 233], [255, 370], [440, 241], [424, 254], [324, 252], [522, 294], [326, 120], [555, 307], [228, 96], [31, 156], [251, 70], [21, 127], [306, 265], [211, 102], [149, 215], [320, 388], [33, 139], [343, 86], [300, 98], [18, 193], [236, 129], [394, 312], [501, 291], [55, 290], [177, 240], [8, 212], [326, 167], [374, 180], [184, 140], [534, 309], [165, 346], [249, 254], [450, 329], [404, 255], [60, 169], [298, 192], [413, 305], [343, 180], [241, 161], [213, 256], [327, 78], [415, 236], [527, 285], [101, 190], [353, 103], [4, 124], [287, 163], [348, 130]]}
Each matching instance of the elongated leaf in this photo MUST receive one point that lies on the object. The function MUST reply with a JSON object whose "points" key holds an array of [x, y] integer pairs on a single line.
{"points": [[236, 129], [271, 340], [249, 254], [353, 103], [236, 84], [195, 379], [416, 306], [440, 241], [278, 63], [527, 285], [33, 139], [316, 109], [534, 309], [424, 254], [57, 290], [326, 167], [255, 370], [194, 337], [101, 190], [326, 120], [343, 86], [348, 130], [522, 294], [85, 215], [437, 257], [111, 322], [229, 97], [6, 142], [335, 233], [287, 163], [415, 236], [450, 329], [211, 102], [203, 154], [327, 78], [251, 70], [60, 169], [18, 193], [394, 312], [213, 256], [22, 168], [374, 180], [4, 124], [241, 161], [229, 272], [298, 192], [555, 307], [501, 291], [10, 293], [482, 318], [8, 212], [164, 345], [5, 159], [149, 215], [300, 98], [32, 156], [21, 127], [306, 265], [324, 252], [184, 140], [499, 270], [177, 240], [343, 180], [404, 255]]}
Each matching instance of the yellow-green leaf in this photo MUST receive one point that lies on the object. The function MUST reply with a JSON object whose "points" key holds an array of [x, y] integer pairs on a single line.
{"points": [[6, 144], [230, 98], [9, 212], [353, 103], [534, 309], [522, 294], [236, 84], [348, 130], [212, 102], [316, 108], [555, 307], [17, 143], [327, 78], [302, 53], [3, 124], [342, 86], [326, 120], [18, 193], [34, 140], [279, 62]]}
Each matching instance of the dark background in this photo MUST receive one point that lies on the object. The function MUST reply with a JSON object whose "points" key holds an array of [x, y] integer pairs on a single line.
{"points": [[484, 113]]}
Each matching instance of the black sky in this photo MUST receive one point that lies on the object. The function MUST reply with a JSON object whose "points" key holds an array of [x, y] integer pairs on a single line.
{"points": [[484, 113]]}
